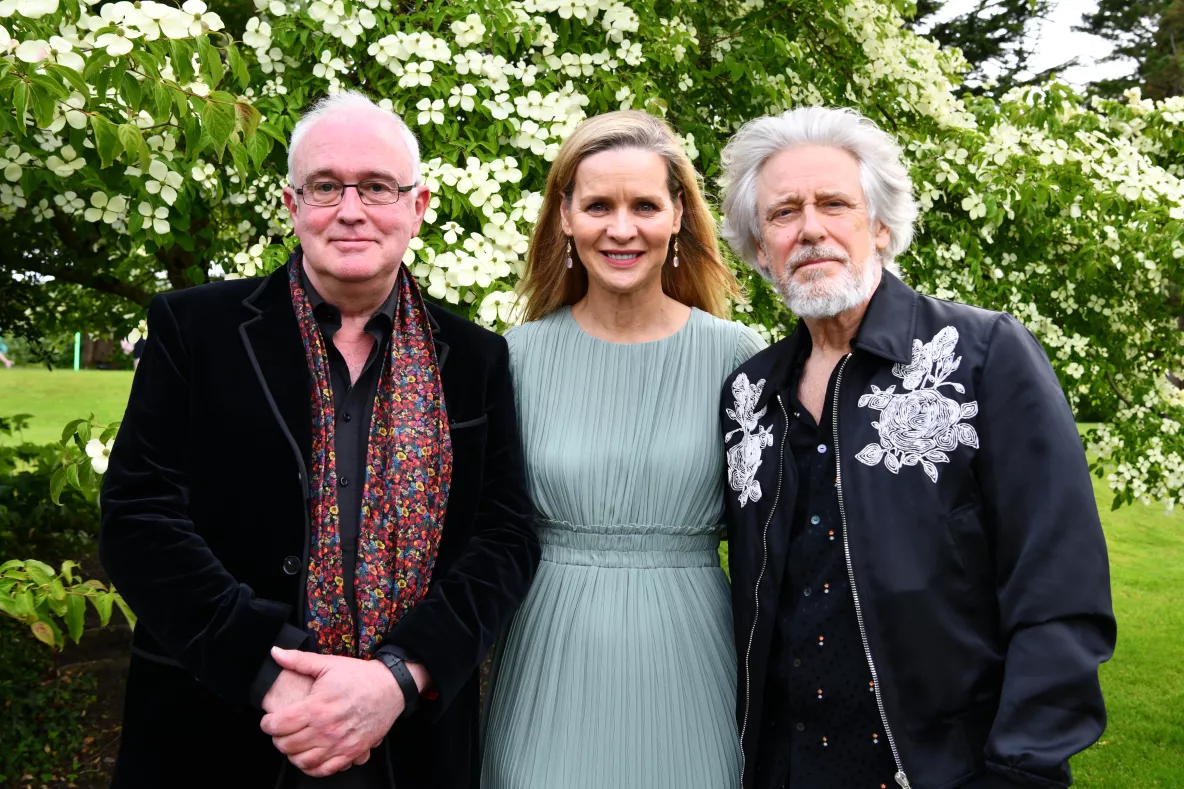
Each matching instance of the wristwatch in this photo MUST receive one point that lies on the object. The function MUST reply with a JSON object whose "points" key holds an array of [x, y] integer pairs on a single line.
{"points": [[395, 662]]}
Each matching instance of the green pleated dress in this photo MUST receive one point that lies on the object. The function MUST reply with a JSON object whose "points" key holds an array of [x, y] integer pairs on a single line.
{"points": [[619, 668]]}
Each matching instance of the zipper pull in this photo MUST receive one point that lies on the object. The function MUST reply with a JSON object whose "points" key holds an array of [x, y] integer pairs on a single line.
{"points": [[902, 779]]}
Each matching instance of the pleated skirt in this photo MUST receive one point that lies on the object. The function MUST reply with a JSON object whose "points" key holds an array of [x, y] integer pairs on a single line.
{"points": [[618, 670]]}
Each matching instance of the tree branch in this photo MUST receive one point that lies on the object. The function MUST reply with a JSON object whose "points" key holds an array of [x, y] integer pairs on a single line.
{"points": [[1114, 386]]}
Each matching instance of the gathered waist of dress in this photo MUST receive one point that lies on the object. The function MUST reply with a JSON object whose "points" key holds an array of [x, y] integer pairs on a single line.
{"points": [[629, 545]]}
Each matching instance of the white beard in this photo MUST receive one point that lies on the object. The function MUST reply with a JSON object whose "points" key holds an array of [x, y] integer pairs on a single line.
{"points": [[822, 296]]}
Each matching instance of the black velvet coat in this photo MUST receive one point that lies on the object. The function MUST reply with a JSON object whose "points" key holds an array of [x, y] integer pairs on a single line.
{"points": [[205, 532]]}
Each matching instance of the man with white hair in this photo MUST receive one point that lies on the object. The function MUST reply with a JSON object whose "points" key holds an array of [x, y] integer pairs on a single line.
{"points": [[316, 503], [919, 577]]}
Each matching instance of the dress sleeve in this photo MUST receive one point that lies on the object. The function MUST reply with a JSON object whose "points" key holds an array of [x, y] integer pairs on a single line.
{"points": [[748, 344]]}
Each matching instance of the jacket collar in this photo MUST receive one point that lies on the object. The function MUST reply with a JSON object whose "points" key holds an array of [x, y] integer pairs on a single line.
{"points": [[890, 323], [887, 330]]}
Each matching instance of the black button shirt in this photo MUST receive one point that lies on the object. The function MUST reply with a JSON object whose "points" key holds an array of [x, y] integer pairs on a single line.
{"points": [[353, 405], [822, 725]]}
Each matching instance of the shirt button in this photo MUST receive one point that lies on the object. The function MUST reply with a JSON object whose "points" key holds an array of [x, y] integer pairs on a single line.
{"points": [[822, 449], [344, 482], [815, 519], [345, 417], [291, 565], [806, 591], [800, 726], [797, 662]]}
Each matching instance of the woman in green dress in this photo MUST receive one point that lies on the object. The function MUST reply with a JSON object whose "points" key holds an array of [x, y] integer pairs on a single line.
{"points": [[619, 670]]}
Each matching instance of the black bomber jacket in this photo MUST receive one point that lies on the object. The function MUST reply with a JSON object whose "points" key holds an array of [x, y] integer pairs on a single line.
{"points": [[971, 534]]}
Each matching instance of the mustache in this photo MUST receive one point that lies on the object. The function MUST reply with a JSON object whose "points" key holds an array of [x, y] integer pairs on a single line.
{"points": [[813, 254]]}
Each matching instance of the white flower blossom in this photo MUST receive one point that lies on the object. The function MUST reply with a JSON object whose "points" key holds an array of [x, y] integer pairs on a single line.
{"points": [[99, 454], [164, 181], [462, 95], [470, 31], [430, 111]]}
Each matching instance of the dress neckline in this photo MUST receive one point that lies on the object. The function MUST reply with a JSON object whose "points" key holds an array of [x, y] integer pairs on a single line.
{"points": [[580, 329]]}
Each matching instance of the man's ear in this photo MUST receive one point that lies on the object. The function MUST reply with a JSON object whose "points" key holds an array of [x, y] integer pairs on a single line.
{"points": [[882, 236], [291, 202], [762, 259]]}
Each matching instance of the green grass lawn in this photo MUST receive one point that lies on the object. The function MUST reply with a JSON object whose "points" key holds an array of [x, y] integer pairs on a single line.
{"points": [[54, 397], [1143, 747]]}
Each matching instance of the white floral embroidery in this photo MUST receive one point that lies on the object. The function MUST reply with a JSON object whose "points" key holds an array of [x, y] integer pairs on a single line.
{"points": [[921, 425], [745, 458]]}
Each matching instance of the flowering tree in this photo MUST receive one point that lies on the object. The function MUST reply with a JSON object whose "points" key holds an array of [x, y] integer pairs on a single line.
{"points": [[142, 148]]}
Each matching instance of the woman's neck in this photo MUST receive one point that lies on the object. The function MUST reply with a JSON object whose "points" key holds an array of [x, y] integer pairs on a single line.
{"points": [[639, 316]]}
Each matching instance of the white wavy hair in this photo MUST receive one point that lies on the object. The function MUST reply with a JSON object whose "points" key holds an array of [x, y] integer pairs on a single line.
{"points": [[349, 100], [882, 173]]}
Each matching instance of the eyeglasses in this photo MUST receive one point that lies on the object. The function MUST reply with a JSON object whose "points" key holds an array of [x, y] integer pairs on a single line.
{"points": [[372, 192]]}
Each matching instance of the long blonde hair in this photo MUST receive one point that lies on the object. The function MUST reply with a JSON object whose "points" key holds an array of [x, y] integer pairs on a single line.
{"points": [[701, 279]]}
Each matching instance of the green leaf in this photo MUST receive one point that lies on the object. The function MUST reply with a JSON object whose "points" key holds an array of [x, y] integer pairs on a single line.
{"points": [[218, 120], [133, 143], [58, 605], [127, 612], [182, 60], [20, 103], [250, 117], [239, 154], [95, 66], [109, 432], [75, 616], [259, 148], [40, 572], [106, 139], [163, 99], [70, 428], [67, 571], [238, 67], [8, 606], [72, 474], [24, 604], [51, 86], [211, 60], [274, 133], [43, 105], [88, 478], [130, 90], [56, 590], [57, 483], [102, 603], [44, 632], [69, 75], [11, 563], [193, 137]]}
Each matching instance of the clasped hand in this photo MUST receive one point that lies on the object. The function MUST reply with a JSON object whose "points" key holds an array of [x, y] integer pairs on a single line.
{"points": [[326, 712]]}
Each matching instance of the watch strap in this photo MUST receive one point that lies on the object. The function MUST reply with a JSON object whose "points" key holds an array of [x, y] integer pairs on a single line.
{"points": [[403, 677]]}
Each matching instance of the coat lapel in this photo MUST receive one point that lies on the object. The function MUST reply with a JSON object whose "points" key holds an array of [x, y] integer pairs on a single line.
{"points": [[272, 341]]}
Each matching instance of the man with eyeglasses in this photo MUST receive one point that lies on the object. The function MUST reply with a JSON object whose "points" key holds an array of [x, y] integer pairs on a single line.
{"points": [[316, 502]]}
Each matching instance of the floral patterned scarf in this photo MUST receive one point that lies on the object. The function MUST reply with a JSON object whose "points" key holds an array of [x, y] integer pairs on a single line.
{"points": [[408, 471]]}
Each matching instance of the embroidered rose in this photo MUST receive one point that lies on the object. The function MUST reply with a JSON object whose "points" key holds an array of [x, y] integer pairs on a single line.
{"points": [[921, 425], [745, 457], [919, 422]]}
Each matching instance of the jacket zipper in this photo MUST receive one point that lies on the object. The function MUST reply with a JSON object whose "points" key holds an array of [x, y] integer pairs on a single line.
{"points": [[901, 778], [756, 590]]}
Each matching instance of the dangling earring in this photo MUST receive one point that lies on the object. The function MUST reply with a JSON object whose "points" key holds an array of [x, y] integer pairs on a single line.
{"points": [[569, 253], [675, 247]]}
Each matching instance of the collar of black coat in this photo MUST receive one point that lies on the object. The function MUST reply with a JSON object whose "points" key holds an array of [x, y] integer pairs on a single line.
{"points": [[887, 330], [274, 293]]}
